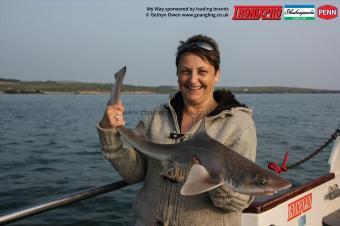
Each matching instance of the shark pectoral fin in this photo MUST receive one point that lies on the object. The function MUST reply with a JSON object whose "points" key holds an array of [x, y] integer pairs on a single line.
{"points": [[199, 181]]}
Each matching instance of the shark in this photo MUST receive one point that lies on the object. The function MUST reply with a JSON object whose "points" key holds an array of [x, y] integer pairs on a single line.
{"points": [[212, 163]]}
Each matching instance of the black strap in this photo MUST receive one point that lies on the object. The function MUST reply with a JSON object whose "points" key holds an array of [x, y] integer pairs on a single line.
{"points": [[174, 135]]}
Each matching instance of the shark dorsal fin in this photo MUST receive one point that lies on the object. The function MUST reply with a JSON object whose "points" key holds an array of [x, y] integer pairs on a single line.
{"points": [[199, 181], [140, 129], [201, 131]]}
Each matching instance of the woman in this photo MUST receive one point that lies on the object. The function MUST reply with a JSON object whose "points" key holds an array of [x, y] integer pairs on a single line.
{"points": [[159, 201]]}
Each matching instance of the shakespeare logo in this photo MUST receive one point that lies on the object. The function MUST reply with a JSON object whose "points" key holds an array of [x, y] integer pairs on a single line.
{"points": [[299, 206], [299, 12], [264, 12], [327, 12]]}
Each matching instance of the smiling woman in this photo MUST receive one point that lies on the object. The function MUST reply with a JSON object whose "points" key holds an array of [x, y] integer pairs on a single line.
{"points": [[196, 79], [226, 120], [198, 71]]}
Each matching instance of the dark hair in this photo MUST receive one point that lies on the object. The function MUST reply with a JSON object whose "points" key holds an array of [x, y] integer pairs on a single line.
{"points": [[189, 46]]}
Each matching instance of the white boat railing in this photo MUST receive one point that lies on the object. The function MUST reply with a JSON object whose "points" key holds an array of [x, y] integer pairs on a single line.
{"points": [[334, 158], [67, 200]]}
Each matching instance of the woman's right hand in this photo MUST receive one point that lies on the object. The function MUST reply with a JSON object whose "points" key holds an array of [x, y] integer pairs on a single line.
{"points": [[113, 116]]}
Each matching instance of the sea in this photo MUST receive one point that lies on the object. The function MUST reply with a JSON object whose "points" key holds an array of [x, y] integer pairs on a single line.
{"points": [[49, 148]]}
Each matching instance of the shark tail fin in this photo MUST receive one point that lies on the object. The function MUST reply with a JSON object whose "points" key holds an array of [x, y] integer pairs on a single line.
{"points": [[199, 181]]}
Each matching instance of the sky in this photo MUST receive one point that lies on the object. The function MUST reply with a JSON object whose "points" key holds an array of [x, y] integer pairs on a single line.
{"points": [[89, 40]]}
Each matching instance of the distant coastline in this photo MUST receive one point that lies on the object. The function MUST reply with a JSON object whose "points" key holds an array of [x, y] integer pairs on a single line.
{"points": [[13, 86]]}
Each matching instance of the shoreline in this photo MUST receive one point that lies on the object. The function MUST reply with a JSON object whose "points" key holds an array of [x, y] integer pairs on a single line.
{"points": [[82, 93], [147, 93], [12, 86]]}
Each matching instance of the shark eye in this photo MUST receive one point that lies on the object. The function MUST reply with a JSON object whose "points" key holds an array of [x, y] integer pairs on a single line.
{"points": [[261, 180]]}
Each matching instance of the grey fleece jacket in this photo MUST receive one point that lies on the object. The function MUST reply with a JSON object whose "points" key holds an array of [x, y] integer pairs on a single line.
{"points": [[159, 201]]}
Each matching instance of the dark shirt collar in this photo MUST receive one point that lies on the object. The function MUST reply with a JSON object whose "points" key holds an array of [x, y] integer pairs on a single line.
{"points": [[225, 99]]}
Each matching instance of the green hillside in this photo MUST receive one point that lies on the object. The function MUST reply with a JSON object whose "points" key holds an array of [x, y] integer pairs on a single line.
{"points": [[17, 86]]}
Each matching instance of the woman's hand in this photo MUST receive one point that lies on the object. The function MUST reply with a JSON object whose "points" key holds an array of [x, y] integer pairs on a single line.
{"points": [[113, 116]]}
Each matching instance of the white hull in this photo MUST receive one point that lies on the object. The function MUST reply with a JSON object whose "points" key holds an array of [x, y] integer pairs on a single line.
{"points": [[304, 205]]}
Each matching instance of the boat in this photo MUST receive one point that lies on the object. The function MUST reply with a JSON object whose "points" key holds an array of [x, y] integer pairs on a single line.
{"points": [[315, 203]]}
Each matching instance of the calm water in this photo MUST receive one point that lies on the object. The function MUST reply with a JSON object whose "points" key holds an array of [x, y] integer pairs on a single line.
{"points": [[49, 148]]}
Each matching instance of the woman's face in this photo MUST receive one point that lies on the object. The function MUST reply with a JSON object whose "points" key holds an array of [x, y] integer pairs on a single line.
{"points": [[196, 79]]}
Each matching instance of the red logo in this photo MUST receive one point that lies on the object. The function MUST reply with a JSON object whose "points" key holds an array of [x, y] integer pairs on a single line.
{"points": [[327, 12], [256, 12], [299, 206]]}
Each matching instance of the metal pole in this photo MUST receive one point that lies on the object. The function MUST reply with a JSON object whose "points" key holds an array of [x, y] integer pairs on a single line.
{"points": [[69, 199]]}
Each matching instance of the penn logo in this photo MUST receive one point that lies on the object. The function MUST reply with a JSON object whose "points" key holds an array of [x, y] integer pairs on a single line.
{"points": [[327, 12]]}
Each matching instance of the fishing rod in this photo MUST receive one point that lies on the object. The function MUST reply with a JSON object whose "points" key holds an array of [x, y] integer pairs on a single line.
{"points": [[60, 202]]}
